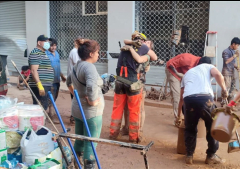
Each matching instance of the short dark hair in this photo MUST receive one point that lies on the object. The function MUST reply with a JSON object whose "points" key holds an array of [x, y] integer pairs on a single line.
{"points": [[53, 41], [87, 47], [205, 59], [235, 40], [24, 68]]}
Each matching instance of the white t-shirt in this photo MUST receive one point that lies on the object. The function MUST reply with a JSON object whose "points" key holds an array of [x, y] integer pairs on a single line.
{"points": [[72, 60], [198, 80]]}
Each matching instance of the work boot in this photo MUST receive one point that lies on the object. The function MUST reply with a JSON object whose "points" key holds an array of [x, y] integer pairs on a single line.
{"points": [[140, 137], [214, 159], [53, 115], [124, 131], [189, 159], [113, 137], [89, 164], [80, 158], [134, 141]]}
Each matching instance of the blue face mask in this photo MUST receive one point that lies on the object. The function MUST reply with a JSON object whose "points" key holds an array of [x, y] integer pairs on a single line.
{"points": [[46, 45]]}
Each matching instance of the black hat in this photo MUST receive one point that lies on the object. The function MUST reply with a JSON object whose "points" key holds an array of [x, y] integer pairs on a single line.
{"points": [[42, 38]]}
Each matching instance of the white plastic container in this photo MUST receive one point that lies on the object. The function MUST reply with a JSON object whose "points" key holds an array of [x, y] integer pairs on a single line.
{"points": [[3, 144], [9, 119], [30, 117]]}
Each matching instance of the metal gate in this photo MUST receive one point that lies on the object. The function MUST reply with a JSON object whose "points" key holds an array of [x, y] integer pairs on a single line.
{"points": [[157, 19], [69, 19], [13, 32]]}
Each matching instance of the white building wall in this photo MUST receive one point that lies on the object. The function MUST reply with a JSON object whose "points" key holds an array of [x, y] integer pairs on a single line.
{"points": [[37, 21], [224, 19], [121, 24]]}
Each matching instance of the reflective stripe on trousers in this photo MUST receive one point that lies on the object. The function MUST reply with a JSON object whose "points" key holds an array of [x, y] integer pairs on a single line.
{"points": [[134, 102]]}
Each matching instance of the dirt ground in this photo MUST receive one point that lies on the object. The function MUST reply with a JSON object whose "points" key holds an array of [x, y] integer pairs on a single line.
{"points": [[158, 128]]}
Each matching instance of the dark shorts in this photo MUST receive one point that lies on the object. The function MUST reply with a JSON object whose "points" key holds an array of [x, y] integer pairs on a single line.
{"points": [[44, 100]]}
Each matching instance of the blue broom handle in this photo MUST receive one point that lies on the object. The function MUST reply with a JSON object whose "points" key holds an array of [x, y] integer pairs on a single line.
{"points": [[64, 129], [86, 126]]}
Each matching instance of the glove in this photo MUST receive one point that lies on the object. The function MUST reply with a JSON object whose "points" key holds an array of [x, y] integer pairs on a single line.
{"points": [[137, 43], [224, 94], [125, 48], [41, 89], [232, 104]]}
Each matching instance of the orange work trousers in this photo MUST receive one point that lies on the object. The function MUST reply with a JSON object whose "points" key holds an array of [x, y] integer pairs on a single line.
{"points": [[122, 96]]}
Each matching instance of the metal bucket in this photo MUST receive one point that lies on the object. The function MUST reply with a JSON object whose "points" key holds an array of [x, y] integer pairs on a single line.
{"points": [[181, 149], [224, 126]]}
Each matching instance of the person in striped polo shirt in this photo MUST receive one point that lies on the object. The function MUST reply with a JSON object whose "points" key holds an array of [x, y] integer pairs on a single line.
{"points": [[42, 73]]}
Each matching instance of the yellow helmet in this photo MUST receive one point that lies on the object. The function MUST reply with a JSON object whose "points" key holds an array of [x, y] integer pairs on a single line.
{"points": [[137, 35]]}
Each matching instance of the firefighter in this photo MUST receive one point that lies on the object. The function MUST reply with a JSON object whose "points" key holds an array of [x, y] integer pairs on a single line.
{"points": [[128, 89], [153, 56]]}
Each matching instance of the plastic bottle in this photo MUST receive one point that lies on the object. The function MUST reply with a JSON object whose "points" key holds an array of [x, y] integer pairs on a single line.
{"points": [[7, 164], [14, 162]]}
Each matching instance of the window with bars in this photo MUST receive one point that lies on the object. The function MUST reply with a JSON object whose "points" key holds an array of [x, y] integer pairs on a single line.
{"points": [[67, 22], [157, 19], [94, 7]]}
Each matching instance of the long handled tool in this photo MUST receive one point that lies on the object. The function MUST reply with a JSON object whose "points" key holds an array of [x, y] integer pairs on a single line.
{"points": [[144, 149], [46, 114], [86, 126], [64, 129]]}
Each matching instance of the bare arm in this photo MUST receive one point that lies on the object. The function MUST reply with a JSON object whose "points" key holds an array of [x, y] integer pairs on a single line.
{"points": [[237, 97], [180, 102], [219, 77], [127, 42], [230, 59], [69, 84], [70, 88], [176, 72], [139, 59], [34, 72], [152, 55]]}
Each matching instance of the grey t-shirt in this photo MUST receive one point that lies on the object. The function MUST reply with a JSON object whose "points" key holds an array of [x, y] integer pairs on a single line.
{"points": [[87, 74], [228, 69]]}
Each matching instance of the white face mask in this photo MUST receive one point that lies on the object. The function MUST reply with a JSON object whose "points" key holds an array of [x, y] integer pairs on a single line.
{"points": [[46, 45]]}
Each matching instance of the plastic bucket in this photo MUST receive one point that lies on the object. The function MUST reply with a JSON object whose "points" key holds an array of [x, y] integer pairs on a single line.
{"points": [[223, 126], [181, 149]]}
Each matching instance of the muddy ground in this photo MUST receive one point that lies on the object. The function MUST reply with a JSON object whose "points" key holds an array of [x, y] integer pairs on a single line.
{"points": [[158, 128]]}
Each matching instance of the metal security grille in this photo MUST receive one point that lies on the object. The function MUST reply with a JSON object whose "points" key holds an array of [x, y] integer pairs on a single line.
{"points": [[69, 19], [157, 19]]}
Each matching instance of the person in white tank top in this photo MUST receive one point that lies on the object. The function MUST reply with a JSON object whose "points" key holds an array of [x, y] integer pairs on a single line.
{"points": [[197, 96]]}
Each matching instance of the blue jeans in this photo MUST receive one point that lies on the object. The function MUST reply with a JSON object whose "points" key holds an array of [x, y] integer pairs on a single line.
{"points": [[56, 87]]}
